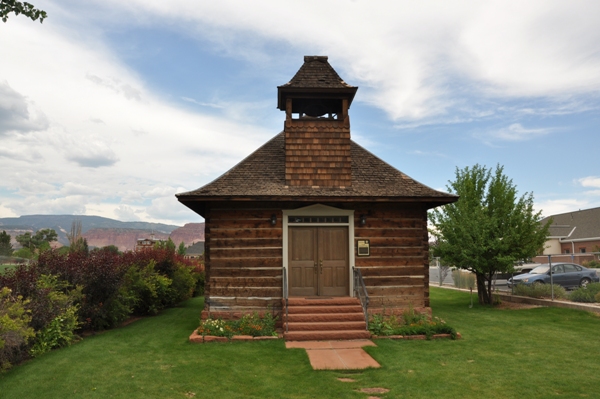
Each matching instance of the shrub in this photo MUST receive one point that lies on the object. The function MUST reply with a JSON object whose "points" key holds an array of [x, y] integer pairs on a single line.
{"points": [[594, 264], [14, 328], [183, 285], [463, 279], [146, 290], [540, 290], [58, 333], [587, 294]]}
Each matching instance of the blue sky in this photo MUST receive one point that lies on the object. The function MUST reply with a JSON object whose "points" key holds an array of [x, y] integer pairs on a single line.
{"points": [[110, 108]]}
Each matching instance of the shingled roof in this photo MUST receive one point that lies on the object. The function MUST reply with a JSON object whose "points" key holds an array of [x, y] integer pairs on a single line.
{"points": [[261, 176], [315, 74], [583, 224]]}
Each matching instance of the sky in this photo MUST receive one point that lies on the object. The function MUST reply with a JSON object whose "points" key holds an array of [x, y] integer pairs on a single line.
{"points": [[111, 107]]}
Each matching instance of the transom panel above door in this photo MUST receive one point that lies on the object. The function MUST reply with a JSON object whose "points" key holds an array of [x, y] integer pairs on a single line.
{"points": [[318, 261]]}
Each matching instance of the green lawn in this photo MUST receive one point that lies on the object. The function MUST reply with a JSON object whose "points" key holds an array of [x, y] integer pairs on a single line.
{"points": [[535, 353]]}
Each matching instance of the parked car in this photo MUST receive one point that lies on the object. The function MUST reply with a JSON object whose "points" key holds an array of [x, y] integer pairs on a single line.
{"points": [[567, 275]]}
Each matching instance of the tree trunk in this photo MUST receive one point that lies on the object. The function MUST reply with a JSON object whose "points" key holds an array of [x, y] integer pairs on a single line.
{"points": [[483, 293]]}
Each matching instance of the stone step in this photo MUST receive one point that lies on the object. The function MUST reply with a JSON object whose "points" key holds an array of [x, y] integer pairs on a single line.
{"points": [[327, 326], [319, 301], [325, 317], [326, 335], [325, 309]]}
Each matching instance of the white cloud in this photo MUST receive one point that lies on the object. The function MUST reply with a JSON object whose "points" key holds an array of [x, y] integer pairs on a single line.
{"points": [[17, 114], [413, 59], [590, 181], [558, 206], [514, 132]]}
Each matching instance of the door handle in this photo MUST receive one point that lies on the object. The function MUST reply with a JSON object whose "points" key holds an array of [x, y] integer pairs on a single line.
{"points": [[321, 264]]}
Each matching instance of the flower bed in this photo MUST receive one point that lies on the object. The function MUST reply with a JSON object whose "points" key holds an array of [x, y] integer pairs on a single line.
{"points": [[248, 327], [411, 325]]}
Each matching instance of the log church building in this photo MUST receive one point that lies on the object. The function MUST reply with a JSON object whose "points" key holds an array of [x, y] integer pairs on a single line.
{"points": [[311, 220]]}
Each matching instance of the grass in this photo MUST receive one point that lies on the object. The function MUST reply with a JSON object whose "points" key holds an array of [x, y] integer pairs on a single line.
{"points": [[533, 353]]}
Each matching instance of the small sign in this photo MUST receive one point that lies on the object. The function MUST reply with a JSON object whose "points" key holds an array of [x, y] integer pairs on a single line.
{"points": [[363, 247]]}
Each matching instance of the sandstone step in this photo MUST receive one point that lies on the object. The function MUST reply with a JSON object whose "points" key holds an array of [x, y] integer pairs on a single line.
{"points": [[319, 301], [327, 326], [326, 335], [325, 317], [326, 309]]}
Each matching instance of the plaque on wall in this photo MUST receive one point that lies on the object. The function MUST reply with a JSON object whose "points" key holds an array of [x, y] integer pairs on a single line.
{"points": [[363, 247]]}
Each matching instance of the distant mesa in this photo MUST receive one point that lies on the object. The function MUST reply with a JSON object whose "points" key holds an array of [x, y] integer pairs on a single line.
{"points": [[101, 232]]}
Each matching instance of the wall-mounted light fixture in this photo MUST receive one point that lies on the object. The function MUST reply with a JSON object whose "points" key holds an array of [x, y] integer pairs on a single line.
{"points": [[363, 220], [273, 220]]}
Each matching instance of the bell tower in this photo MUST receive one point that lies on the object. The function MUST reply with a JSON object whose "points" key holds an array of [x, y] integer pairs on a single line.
{"points": [[317, 126]]}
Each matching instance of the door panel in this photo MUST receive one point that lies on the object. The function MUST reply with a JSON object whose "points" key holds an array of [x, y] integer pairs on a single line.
{"points": [[318, 261], [333, 256], [302, 260]]}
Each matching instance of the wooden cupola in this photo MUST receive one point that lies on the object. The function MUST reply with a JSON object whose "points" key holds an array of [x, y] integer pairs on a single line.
{"points": [[317, 126]]}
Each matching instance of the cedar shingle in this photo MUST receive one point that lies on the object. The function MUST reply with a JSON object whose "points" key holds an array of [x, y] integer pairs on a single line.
{"points": [[262, 174]]}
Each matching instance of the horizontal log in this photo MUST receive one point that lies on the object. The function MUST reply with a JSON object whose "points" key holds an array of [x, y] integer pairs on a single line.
{"points": [[398, 261], [251, 282], [397, 251], [412, 236], [392, 302], [395, 280], [246, 242], [233, 253], [245, 272], [246, 292], [274, 302], [405, 291], [243, 214], [245, 263], [245, 233], [244, 224], [382, 211], [372, 223], [410, 242], [393, 271]]}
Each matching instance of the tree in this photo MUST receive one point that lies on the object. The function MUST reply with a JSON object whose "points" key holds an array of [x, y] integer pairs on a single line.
{"points": [[488, 229], [18, 7], [76, 241], [37, 241], [6, 248], [181, 249]]}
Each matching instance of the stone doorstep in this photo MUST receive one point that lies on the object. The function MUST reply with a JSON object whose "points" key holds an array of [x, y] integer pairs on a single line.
{"points": [[197, 338], [337, 355]]}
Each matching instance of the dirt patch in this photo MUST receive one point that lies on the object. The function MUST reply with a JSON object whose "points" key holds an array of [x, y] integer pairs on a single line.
{"points": [[515, 306], [374, 390], [346, 379]]}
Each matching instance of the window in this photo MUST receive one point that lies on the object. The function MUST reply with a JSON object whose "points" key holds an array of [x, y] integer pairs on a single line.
{"points": [[567, 251], [582, 250]]}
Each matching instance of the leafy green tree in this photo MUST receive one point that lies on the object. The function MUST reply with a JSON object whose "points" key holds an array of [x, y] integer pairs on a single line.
{"points": [[489, 228], [21, 7], [37, 241], [181, 249], [6, 248]]}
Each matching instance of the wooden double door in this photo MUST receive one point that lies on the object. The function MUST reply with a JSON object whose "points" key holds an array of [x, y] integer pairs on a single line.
{"points": [[318, 261]]}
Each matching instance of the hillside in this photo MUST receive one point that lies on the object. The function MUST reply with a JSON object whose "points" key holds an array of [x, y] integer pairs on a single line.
{"points": [[101, 231]]}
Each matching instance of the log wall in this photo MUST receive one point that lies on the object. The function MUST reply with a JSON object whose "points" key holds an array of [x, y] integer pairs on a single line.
{"points": [[243, 260], [244, 256], [397, 271]]}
